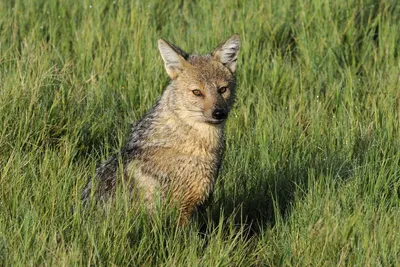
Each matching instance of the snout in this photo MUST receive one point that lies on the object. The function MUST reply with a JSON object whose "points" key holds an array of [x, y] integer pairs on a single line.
{"points": [[216, 110], [219, 114]]}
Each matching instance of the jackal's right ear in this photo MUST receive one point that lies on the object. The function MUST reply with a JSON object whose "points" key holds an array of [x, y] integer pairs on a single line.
{"points": [[174, 58]]}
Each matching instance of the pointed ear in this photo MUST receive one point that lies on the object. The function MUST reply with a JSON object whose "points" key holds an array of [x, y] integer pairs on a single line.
{"points": [[174, 58], [227, 52]]}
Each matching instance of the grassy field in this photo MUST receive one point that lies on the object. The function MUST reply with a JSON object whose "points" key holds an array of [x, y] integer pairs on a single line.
{"points": [[311, 172]]}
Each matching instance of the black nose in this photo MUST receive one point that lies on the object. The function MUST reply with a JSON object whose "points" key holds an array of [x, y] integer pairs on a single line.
{"points": [[219, 114]]}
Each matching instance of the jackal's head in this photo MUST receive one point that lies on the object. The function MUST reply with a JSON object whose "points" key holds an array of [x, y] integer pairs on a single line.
{"points": [[202, 88]]}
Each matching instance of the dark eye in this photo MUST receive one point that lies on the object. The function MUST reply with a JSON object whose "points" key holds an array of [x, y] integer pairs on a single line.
{"points": [[197, 92], [222, 90]]}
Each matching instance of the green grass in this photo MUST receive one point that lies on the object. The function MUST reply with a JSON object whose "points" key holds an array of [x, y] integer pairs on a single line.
{"points": [[311, 171]]}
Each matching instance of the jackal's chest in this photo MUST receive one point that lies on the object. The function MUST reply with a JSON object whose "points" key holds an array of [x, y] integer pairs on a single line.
{"points": [[189, 177], [196, 182]]}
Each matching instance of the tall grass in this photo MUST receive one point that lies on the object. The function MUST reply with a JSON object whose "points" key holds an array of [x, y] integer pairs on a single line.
{"points": [[311, 171]]}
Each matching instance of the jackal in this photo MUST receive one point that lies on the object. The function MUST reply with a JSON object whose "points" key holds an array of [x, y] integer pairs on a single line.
{"points": [[176, 148]]}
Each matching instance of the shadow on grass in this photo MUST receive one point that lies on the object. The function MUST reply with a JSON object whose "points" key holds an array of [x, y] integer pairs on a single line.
{"points": [[265, 195]]}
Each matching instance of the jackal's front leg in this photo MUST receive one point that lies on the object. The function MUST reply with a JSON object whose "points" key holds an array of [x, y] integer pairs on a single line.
{"points": [[185, 213]]}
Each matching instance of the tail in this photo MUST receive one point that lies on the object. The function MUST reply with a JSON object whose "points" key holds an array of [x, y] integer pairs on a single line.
{"points": [[104, 180]]}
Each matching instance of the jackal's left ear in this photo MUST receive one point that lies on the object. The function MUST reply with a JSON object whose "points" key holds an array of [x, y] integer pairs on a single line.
{"points": [[228, 51], [174, 58]]}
